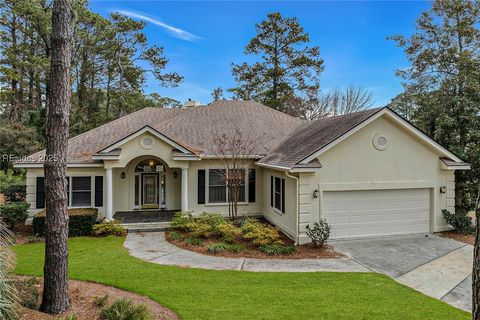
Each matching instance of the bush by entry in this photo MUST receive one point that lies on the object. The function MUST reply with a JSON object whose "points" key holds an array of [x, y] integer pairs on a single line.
{"points": [[209, 294], [81, 221]]}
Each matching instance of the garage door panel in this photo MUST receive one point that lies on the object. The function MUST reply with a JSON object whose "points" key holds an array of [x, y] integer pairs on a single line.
{"points": [[355, 214]]}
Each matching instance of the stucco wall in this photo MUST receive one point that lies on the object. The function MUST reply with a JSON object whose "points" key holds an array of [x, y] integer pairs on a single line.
{"points": [[33, 173], [355, 164], [285, 221], [244, 209]]}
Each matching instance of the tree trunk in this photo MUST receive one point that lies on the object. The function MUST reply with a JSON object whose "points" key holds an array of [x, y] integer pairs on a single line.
{"points": [[55, 291], [476, 263]]}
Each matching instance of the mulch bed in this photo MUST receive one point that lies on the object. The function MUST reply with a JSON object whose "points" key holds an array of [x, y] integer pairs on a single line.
{"points": [[82, 296], [306, 251], [468, 239], [23, 233]]}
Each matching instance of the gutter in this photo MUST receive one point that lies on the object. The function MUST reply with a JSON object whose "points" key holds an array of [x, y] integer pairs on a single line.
{"points": [[297, 229]]}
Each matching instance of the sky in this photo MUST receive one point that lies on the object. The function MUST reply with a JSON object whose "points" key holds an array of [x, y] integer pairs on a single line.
{"points": [[202, 38]]}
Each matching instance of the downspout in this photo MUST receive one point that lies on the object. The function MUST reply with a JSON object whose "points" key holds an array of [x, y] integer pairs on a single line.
{"points": [[297, 231]]}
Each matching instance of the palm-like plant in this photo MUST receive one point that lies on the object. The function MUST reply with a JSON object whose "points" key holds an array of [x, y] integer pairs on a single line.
{"points": [[8, 292]]}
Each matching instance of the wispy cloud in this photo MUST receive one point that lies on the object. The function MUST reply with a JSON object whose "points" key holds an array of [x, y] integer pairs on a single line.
{"points": [[176, 32]]}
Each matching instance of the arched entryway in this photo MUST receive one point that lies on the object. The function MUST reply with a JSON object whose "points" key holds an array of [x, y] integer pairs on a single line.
{"points": [[150, 184]]}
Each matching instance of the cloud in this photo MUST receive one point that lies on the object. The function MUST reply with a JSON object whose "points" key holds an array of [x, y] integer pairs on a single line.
{"points": [[176, 32]]}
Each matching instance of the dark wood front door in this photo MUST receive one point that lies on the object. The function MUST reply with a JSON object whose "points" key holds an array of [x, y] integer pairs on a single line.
{"points": [[150, 191]]}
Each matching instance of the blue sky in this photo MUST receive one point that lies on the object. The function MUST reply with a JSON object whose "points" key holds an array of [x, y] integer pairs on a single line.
{"points": [[202, 39]]}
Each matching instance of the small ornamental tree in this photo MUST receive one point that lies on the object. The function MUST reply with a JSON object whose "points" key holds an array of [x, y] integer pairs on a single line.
{"points": [[235, 153]]}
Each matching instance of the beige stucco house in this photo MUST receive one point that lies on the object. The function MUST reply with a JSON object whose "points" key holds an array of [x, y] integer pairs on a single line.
{"points": [[370, 173]]}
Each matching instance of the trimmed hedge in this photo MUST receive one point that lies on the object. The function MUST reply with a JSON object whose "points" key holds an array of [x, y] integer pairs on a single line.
{"points": [[81, 221]]}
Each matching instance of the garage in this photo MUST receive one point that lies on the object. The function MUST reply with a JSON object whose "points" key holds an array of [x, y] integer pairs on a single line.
{"points": [[370, 213]]}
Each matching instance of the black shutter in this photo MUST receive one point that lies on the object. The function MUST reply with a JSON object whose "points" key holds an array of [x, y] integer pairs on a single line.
{"points": [[40, 193], [201, 187], [271, 191], [283, 195], [98, 191], [251, 185]]}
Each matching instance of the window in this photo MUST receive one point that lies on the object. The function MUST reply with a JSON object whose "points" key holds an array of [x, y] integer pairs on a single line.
{"points": [[237, 177], [99, 191], [81, 192], [217, 186], [277, 189]]}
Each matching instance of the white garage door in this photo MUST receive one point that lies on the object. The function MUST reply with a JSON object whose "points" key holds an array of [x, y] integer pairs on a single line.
{"points": [[353, 214]]}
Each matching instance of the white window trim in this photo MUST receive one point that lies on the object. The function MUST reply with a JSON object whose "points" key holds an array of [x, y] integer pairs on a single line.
{"points": [[282, 194], [70, 191], [207, 189]]}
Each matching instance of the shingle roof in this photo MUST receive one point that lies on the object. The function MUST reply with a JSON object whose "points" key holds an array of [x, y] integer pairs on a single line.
{"points": [[312, 136], [194, 128]]}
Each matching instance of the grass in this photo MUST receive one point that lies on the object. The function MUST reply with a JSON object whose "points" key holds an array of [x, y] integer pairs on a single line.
{"points": [[208, 294]]}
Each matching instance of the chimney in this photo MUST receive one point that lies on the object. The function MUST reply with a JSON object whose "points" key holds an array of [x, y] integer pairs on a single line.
{"points": [[191, 103]]}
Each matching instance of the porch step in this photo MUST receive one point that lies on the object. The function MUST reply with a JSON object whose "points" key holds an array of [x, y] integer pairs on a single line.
{"points": [[146, 227]]}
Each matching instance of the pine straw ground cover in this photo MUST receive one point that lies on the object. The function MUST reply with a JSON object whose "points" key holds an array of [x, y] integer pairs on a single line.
{"points": [[85, 298], [210, 294], [247, 237]]}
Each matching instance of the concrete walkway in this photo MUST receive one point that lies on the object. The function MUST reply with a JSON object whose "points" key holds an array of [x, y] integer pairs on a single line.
{"points": [[153, 247]]}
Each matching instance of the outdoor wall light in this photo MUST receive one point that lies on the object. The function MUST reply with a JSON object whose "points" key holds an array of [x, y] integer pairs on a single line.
{"points": [[175, 174], [123, 175], [316, 193], [443, 189]]}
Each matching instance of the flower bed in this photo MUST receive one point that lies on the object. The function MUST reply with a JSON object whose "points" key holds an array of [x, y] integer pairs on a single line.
{"points": [[248, 237]]}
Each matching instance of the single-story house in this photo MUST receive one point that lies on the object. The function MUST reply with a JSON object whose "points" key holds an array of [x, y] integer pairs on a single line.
{"points": [[369, 173]]}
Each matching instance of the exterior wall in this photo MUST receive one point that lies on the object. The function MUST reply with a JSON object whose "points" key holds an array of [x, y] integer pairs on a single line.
{"points": [[285, 221], [33, 173], [355, 164], [244, 209]]}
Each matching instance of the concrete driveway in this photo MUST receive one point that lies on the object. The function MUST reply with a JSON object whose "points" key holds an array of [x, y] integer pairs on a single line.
{"points": [[436, 266]]}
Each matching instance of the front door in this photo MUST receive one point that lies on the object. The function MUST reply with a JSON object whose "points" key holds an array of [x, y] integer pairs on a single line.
{"points": [[150, 191]]}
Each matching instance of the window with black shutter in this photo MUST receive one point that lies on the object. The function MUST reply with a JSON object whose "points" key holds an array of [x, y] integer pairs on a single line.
{"points": [[251, 185], [201, 187], [40, 193], [81, 192], [271, 191], [98, 191]]}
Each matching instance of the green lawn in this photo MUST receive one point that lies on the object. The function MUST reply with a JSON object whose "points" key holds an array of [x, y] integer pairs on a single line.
{"points": [[206, 294]]}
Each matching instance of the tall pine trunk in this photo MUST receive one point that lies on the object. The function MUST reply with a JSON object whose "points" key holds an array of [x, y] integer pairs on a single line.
{"points": [[55, 291]]}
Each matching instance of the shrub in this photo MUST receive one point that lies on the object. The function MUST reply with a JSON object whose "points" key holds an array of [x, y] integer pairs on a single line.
{"points": [[182, 221], [14, 212], [110, 228], [8, 292], [275, 249], [235, 248], [217, 247], [101, 301], [174, 235], [202, 230], [125, 309], [194, 241], [229, 232], [260, 234], [28, 292], [319, 233], [81, 221], [461, 222], [15, 193]]}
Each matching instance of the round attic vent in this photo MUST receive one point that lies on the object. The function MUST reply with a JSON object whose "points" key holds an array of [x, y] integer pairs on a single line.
{"points": [[380, 142], [147, 142]]}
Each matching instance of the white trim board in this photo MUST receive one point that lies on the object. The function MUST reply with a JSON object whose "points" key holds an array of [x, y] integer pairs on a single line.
{"points": [[402, 122]]}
